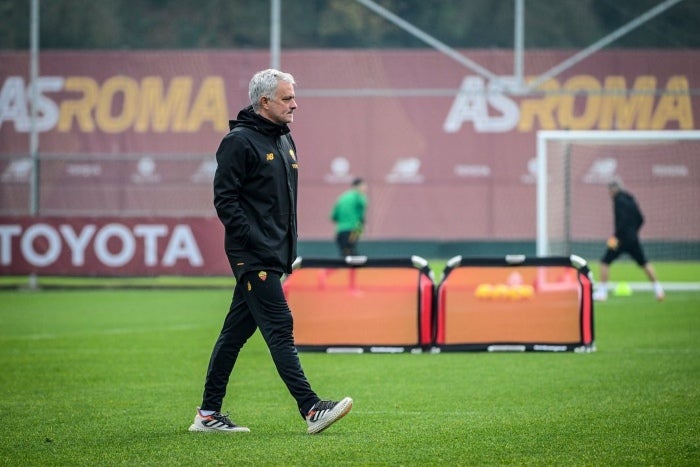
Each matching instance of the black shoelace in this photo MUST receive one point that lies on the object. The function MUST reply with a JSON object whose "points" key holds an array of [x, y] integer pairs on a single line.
{"points": [[324, 405], [223, 418]]}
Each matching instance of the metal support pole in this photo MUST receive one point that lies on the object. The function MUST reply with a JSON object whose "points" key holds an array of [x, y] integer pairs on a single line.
{"points": [[519, 45], [33, 132], [275, 15], [595, 47], [431, 41], [34, 97]]}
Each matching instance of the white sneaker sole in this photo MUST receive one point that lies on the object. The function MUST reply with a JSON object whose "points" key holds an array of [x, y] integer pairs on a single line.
{"points": [[338, 412], [201, 429]]}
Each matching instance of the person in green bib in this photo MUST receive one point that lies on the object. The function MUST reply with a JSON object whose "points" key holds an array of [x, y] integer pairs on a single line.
{"points": [[348, 214]]}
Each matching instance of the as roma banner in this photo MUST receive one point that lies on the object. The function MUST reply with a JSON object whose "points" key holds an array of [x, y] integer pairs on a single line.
{"points": [[448, 154], [112, 246]]}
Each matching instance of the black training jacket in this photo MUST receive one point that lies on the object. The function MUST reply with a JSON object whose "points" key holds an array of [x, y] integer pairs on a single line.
{"points": [[628, 217], [255, 194]]}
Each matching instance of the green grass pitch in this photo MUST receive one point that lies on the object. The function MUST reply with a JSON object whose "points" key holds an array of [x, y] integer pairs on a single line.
{"points": [[112, 377]]}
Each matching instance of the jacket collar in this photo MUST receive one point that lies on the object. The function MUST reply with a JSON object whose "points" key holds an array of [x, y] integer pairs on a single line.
{"points": [[248, 118]]}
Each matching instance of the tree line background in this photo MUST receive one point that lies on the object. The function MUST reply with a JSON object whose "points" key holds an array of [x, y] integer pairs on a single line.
{"points": [[241, 24]]}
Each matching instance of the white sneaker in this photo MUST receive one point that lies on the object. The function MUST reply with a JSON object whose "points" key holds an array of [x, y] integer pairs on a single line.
{"points": [[659, 292], [216, 422], [324, 413], [600, 295]]}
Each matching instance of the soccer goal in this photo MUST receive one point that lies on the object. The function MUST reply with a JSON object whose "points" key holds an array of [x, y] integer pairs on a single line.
{"points": [[661, 169]]}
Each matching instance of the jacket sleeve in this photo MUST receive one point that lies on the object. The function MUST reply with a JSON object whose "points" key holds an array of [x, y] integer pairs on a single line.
{"points": [[362, 209], [638, 216], [230, 169]]}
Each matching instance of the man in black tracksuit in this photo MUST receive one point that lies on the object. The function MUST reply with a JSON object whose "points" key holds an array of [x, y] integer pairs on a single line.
{"points": [[628, 221], [255, 195]]}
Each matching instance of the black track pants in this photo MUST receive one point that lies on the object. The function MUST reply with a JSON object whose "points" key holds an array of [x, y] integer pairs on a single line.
{"points": [[258, 302]]}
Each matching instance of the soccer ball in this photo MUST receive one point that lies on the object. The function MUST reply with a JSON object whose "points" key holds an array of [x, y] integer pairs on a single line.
{"points": [[483, 291], [526, 291]]}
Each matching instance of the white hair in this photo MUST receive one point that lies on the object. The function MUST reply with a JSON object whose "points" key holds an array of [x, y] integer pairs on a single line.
{"points": [[264, 84]]}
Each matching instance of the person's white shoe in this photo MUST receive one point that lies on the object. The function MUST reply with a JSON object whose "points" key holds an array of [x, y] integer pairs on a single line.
{"points": [[216, 422], [324, 413], [659, 292], [600, 295]]}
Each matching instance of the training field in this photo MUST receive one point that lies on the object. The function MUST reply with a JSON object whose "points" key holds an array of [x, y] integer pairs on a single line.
{"points": [[112, 376]]}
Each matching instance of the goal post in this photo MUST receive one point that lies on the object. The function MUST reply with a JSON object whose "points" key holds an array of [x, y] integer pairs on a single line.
{"points": [[660, 168]]}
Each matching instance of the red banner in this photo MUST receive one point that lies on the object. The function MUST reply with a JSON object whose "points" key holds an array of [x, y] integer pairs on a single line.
{"points": [[112, 246], [448, 154]]}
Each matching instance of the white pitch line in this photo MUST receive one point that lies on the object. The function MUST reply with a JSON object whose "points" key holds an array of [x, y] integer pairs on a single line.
{"points": [[112, 331], [668, 286]]}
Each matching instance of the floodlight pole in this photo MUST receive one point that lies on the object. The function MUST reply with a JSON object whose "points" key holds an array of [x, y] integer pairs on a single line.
{"points": [[275, 15], [519, 45], [34, 97], [33, 131]]}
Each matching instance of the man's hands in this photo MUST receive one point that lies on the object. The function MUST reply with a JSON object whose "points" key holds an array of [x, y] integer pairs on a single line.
{"points": [[355, 235], [613, 243]]}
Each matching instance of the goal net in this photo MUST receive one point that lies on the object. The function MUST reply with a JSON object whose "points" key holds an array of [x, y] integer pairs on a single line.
{"points": [[661, 169]]}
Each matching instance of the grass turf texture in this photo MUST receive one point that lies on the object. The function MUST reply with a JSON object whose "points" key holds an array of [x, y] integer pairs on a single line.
{"points": [[113, 376], [668, 271]]}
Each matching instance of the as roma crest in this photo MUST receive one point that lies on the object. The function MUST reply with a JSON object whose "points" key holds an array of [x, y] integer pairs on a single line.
{"points": [[262, 275]]}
